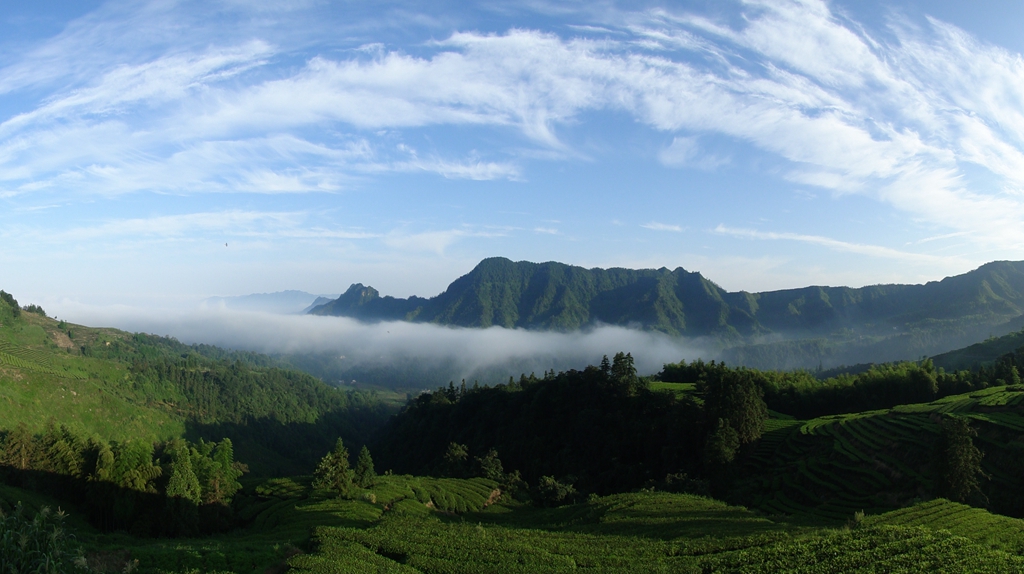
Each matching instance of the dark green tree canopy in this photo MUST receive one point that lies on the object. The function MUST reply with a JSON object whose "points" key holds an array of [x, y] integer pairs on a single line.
{"points": [[736, 398]]}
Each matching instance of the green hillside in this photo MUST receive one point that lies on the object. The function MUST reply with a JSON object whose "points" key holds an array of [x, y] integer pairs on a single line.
{"points": [[985, 353], [122, 386]]}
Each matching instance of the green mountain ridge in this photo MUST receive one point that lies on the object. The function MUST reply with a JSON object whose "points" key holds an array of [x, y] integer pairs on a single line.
{"points": [[792, 328], [560, 297]]}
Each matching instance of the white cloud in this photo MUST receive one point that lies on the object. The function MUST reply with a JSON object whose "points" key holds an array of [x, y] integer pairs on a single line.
{"points": [[655, 226], [475, 170], [835, 244], [433, 241], [233, 223], [901, 121], [686, 152], [470, 349]]}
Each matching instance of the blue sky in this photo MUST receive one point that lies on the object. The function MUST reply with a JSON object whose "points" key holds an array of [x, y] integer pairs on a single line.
{"points": [[765, 144]]}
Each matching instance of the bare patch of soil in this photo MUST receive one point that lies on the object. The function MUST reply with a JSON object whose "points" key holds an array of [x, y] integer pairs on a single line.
{"points": [[62, 340]]}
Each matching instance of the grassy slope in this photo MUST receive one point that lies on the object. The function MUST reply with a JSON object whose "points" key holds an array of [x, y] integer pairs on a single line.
{"points": [[281, 420], [43, 374]]}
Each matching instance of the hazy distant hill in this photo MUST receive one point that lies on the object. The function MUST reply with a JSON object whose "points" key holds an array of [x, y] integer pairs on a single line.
{"points": [[984, 353], [555, 296], [283, 302]]}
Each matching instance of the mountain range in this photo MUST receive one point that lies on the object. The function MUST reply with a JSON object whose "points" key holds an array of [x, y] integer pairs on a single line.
{"points": [[560, 297], [805, 327]]}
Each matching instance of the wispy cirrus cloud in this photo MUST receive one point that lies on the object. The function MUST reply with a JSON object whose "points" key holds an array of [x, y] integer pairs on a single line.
{"points": [[834, 244], [230, 223], [433, 241], [146, 97]]}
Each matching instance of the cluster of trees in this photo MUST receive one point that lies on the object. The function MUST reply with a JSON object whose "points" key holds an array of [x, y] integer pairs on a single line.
{"points": [[171, 488], [33, 308], [599, 430], [335, 472], [604, 430], [9, 309]]}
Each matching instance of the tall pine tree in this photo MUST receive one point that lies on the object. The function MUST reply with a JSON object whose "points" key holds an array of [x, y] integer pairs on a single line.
{"points": [[334, 473], [958, 461], [365, 474]]}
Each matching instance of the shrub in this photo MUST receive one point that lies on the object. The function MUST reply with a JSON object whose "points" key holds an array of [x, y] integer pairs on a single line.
{"points": [[40, 544], [550, 492]]}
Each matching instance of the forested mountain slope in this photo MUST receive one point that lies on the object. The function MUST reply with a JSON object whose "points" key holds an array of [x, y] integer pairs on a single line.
{"points": [[555, 296]]}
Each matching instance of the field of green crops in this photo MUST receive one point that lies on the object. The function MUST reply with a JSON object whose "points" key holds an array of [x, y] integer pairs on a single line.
{"points": [[833, 466], [400, 525], [989, 530], [640, 532]]}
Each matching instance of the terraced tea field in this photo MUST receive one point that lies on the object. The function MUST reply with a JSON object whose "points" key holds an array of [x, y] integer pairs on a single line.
{"points": [[989, 530], [643, 532], [833, 466], [37, 360]]}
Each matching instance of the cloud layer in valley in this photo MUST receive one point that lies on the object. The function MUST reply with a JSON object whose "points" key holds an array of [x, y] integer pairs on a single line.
{"points": [[456, 353]]}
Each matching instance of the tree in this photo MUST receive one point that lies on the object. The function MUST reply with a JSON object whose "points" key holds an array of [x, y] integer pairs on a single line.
{"points": [[364, 475], [226, 483], [183, 482], [183, 492], [20, 448], [333, 473], [721, 446], [959, 461], [736, 397], [623, 372], [455, 460], [490, 466], [63, 450], [100, 461], [133, 466]]}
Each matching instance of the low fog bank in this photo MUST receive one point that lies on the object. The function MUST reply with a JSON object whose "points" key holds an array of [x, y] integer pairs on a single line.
{"points": [[396, 354]]}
